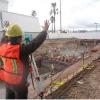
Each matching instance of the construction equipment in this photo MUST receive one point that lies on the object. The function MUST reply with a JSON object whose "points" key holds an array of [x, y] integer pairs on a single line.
{"points": [[36, 79]]}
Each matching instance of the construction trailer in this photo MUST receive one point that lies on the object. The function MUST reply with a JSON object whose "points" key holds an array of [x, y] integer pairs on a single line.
{"points": [[29, 24]]}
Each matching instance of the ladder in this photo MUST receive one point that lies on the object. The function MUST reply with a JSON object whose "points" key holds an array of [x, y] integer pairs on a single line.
{"points": [[36, 79]]}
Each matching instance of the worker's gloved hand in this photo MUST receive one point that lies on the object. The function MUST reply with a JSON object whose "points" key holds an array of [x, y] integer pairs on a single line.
{"points": [[46, 25]]}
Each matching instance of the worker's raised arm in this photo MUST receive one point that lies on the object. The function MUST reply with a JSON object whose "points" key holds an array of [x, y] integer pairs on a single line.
{"points": [[35, 43]]}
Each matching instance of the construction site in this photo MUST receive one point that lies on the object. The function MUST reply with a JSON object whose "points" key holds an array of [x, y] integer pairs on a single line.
{"points": [[66, 68], [67, 63]]}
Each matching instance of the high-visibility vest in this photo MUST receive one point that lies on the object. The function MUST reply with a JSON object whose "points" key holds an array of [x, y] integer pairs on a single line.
{"points": [[12, 71]]}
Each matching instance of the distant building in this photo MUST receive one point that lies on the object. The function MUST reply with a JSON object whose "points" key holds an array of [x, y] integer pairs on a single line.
{"points": [[29, 24]]}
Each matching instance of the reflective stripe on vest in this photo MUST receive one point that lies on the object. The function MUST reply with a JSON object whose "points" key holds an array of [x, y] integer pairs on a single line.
{"points": [[11, 76], [14, 64]]}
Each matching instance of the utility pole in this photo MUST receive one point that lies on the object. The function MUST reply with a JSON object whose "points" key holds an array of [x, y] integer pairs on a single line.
{"points": [[60, 18], [1, 20], [54, 11], [96, 25]]}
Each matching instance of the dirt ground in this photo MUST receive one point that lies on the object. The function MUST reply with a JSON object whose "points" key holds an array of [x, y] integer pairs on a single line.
{"points": [[85, 87]]}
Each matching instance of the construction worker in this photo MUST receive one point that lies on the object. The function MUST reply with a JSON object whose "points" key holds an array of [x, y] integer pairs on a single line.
{"points": [[15, 57]]}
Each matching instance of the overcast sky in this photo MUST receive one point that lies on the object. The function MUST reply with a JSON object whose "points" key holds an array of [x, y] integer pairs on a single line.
{"points": [[75, 13]]}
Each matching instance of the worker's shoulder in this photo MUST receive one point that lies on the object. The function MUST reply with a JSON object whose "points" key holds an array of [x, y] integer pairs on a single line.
{"points": [[23, 50]]}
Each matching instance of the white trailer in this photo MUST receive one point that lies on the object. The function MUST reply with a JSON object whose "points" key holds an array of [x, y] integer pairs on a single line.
{"points": [[29, 24]]}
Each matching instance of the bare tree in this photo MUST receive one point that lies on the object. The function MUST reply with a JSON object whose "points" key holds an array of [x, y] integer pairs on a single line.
{"points": [[34, 13], [53, 12], [6, 23], [52, 21]]}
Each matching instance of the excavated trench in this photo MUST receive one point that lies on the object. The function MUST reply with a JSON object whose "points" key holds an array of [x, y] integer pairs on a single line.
{"points": [[62, 92], [71, 89], [60, 59]]}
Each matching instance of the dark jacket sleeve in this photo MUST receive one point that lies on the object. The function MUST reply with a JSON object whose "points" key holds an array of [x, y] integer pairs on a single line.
{"points": [[30, 47]]}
